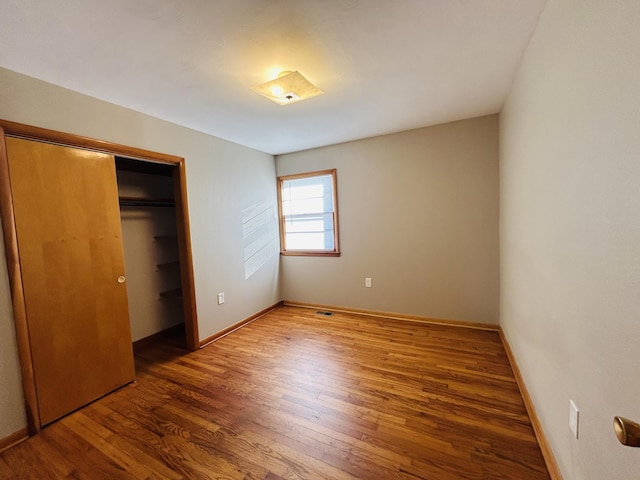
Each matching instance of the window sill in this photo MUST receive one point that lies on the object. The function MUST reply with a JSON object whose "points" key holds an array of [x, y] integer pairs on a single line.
{"points": [[300, 253]]}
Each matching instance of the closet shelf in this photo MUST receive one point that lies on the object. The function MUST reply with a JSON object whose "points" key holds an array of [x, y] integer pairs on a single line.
{"points": [[146, 202], [175, 293]]}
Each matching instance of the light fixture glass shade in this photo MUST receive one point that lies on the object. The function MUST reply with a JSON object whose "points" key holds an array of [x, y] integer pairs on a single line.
{"points": [[289, 87]]}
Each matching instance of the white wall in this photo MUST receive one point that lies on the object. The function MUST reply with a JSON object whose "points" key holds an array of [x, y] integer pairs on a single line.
{"points": [[418, 213], [223, 181], [570, 228]]}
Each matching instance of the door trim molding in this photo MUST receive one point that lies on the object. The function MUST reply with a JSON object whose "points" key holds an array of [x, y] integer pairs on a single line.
{"points": [[17, 294], [28, 132]]}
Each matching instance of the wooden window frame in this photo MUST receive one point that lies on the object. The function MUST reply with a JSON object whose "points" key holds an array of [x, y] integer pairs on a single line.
{"points": [[310, 253]]}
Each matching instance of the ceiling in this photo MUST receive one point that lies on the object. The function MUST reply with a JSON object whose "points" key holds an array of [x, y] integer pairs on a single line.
{"points": [[385, 66]]}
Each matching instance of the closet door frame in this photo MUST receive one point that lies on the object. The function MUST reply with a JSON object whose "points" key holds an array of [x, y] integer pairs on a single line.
{"points": [[27, 132]]}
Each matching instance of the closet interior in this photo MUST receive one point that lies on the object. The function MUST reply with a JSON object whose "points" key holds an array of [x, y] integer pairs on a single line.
{"points": [[150, 240]]}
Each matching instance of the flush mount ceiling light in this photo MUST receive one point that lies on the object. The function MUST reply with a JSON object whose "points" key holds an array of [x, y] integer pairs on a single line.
{"points": [[289, 87]]}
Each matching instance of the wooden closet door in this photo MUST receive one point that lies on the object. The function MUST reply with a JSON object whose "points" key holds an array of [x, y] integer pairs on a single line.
{"points": [[71, 256]]}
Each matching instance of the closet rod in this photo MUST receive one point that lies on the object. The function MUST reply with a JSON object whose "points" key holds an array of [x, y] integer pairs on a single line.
{"points": [[146, 202]]}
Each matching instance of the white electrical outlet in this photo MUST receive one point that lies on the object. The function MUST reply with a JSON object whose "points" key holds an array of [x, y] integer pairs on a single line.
{"points": [[574, 417], [220, 298], [367, 282]]}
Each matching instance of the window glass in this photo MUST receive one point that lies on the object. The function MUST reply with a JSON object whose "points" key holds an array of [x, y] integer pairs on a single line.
{"points": [[308, 213]]}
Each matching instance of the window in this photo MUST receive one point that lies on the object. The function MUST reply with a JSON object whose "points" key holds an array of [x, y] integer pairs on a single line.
{"points": [[308, 209]]}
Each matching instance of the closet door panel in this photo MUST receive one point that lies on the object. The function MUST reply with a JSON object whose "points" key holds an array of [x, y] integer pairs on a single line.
{"points": [[70, 247]]}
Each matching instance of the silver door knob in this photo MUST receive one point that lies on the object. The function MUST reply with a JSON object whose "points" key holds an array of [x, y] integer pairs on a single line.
{"points": [[121, 279], [627, 431]]}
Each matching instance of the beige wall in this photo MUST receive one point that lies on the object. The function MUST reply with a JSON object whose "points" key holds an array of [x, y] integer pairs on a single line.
{"points": [[418, 214], [224, 181], [570, 228], [12, 414]]}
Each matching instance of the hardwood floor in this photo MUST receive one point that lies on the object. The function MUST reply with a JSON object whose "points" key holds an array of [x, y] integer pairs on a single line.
{"points": [[299, 395]]}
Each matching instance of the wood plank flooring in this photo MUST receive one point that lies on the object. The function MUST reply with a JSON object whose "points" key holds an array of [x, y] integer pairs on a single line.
{"points": [[296, 395]]}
